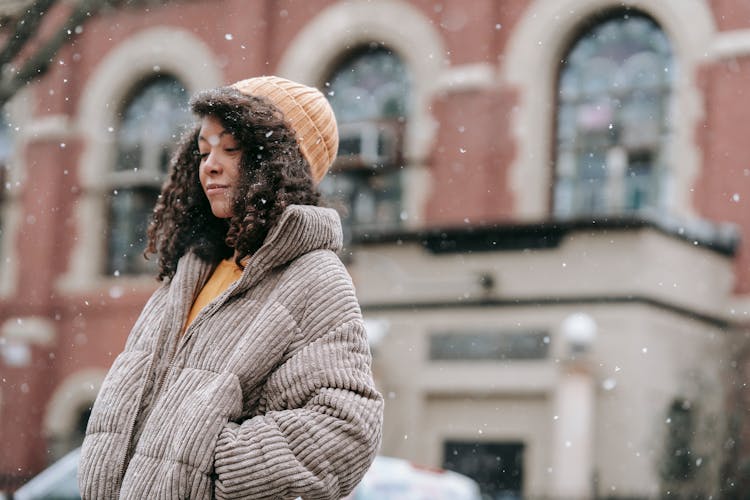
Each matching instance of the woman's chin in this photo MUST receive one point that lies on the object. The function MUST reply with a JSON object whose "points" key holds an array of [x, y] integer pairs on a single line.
{"points": [[221, 212]]}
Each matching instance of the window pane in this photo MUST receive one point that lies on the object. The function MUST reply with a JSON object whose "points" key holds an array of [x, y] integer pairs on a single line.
{"points": [[370, 94], [152, 121], [128, 220], [488, 346], [6, 138], [497, 467], [613, 114], [369, 85], [371, 198], [6, 150]]}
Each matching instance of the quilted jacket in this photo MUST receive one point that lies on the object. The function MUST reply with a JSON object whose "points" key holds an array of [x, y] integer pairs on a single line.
{"points": [[268, 394]]}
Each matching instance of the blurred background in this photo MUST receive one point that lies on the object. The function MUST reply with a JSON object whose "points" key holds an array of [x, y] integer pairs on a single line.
{"points": [[545, 206]]}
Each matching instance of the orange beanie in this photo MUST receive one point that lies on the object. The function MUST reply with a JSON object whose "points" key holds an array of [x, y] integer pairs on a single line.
{"points": [[308, 113]]}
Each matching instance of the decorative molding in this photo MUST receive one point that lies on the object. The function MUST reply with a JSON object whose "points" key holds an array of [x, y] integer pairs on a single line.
{"points": [[75, 392], [730, 44], [530, 65], [48, 127], [9, 262], [466, 78], [29, 330]]}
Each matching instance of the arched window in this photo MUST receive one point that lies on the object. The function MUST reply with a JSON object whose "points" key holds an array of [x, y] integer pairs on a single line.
{"points": [[370, 93], [613, 119], [148, 130]]}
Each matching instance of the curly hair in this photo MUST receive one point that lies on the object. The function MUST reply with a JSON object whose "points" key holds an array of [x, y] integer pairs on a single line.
{"points": [[273, 175]]}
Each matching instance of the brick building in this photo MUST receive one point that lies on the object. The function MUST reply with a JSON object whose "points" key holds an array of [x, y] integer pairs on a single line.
{"points": [[545, 211]]}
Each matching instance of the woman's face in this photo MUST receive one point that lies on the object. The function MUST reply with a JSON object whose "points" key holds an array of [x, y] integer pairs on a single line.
{"points": [[219, 169]]}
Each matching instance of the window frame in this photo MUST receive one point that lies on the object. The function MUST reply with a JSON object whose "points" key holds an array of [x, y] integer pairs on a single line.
{"points": [[149, 176], [96, 118], [355, 170], [612, 189]]}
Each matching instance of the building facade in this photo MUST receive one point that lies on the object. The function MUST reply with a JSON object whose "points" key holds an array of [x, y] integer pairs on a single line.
{"points": [[545, 218]]}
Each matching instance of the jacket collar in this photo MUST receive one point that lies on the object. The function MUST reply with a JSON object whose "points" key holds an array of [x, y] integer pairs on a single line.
{"points": [[300, 229]]}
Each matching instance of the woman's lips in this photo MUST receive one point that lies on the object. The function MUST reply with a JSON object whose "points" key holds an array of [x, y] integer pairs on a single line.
{"points": [[213, 189]]}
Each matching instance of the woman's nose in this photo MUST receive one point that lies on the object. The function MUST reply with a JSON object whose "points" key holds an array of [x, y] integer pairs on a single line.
{"points": [[212, 164]]}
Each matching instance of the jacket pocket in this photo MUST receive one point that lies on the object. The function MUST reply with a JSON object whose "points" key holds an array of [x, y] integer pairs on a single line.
{"points": [[117, 401], [186, 421]]}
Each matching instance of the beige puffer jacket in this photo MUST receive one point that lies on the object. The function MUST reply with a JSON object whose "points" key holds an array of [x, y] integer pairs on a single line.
{"points": [[268, 394]]}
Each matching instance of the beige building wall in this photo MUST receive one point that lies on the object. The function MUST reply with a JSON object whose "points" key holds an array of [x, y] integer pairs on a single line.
{"points": [[640, 262], [641, 287]]}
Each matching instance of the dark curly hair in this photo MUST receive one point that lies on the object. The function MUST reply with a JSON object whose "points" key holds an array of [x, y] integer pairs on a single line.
{"points": [[273, 175]]}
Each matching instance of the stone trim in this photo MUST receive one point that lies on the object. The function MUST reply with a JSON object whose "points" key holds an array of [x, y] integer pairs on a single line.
{"points": [[48, 127], [467, 78], [29, 330], [731, 44], [73, 393]]}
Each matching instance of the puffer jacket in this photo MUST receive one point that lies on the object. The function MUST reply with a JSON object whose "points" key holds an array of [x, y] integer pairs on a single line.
{"points": [[268, 394]]}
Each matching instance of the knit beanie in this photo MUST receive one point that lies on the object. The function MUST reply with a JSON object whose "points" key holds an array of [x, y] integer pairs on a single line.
{"points": [[308, 113]]}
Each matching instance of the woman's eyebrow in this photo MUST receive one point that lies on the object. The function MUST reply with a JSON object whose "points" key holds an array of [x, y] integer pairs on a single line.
{"points": [[223, 132]]}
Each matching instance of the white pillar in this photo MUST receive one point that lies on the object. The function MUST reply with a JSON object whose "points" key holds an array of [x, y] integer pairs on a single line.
{"points": [[574, 400], [572, 448]]}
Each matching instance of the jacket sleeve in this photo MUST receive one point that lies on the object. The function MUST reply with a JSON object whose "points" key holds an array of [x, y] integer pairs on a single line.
{"points": [[321, 431]]}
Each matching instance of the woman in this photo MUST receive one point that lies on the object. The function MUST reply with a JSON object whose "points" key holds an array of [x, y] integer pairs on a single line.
{"points": [[247, 374]]}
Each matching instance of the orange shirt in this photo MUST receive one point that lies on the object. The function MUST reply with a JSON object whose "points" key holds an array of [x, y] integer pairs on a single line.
{"points": [[226, 273]]}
